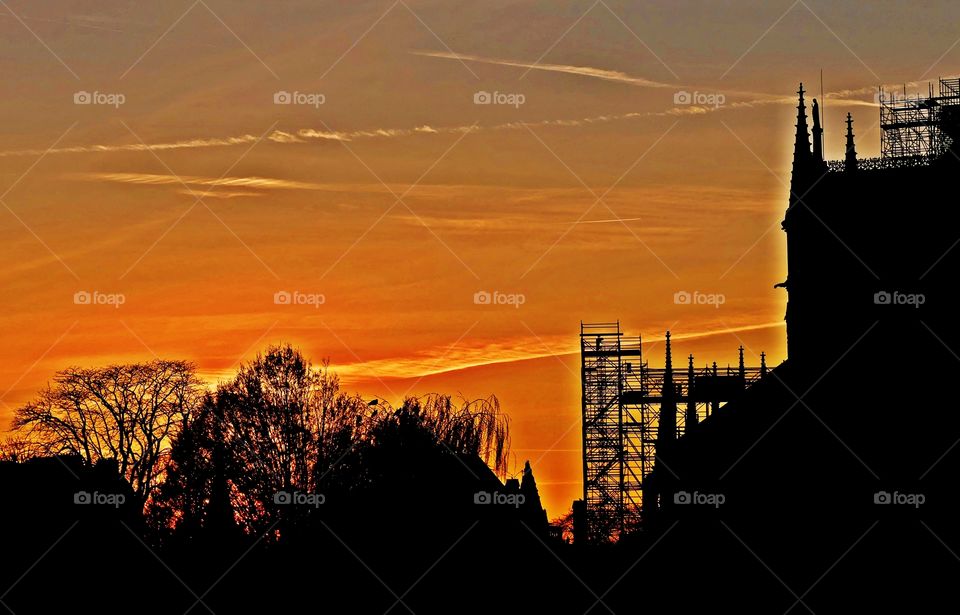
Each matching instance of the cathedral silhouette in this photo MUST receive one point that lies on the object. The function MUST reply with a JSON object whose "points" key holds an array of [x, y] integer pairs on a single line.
{"points": [[843, 459]]}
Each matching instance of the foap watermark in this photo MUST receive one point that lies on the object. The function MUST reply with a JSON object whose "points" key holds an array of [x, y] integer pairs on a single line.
{"points": [[85, 498], [496, 498], [85, 297], [899, 499], [896, 297], [705, 99], [298, 498], [99, 98], [683, 297], [509, 99], [699, 499], [483, 297], [880, 97], [307, 99], [286, 297]]}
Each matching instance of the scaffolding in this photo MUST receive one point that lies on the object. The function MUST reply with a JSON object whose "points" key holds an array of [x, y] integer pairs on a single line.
{"points": [[606, 463], [912, 126], [622, 400]]}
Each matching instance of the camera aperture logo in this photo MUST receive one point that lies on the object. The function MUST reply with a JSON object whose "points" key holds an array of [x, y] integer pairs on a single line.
{"points": [[683, 297], [285, 297], [85, 498], [84, 297], [514, 100], [699, 499], [305, 99], [881, 97], [483, 297], [298, 498], [99, 98], [484, 498], [700, 99], [899, 499], [896, 297]]}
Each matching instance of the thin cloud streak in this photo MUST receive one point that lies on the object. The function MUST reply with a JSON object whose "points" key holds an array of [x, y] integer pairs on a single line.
{"points": [[609, 221], [442, 360], [250, 185], [307, 135], [312, 135], [264, 183], [583, 71]]}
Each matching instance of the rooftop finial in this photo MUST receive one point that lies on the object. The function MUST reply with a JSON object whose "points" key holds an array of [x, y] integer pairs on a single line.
{"points": [[668, 374], [801, 148], [850, 162], [667, 429]]}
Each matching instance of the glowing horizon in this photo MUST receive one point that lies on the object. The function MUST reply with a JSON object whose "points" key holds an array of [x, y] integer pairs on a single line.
{"points": [[648, 157]]}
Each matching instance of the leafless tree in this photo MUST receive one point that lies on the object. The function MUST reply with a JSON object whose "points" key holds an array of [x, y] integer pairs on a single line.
{"points": [[476, 427], [565, 523], [128, 413], [19, 448], [271, 414]]}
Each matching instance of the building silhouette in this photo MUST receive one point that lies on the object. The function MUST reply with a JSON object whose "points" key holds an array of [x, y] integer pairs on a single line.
{"points": [[848, 449]]}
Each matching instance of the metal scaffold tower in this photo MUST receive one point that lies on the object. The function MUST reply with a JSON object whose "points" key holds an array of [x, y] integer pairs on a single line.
{"points": [[911, 125], [622, 401], [612, 457]]}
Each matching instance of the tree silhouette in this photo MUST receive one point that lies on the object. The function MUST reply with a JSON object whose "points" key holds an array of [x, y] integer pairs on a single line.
{"points": [[276, 414], [277, 426], [476, 427], [193, 501], [125, 413], [565, 525], [283, 425], [19, 448]]}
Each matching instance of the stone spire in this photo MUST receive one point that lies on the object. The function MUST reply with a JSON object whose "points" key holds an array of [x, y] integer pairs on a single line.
{"points": [[667, 431], [802, 156], [850, 161]]}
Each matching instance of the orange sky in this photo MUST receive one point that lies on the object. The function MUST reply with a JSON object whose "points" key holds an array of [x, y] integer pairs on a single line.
{"points": [[399, 198]]}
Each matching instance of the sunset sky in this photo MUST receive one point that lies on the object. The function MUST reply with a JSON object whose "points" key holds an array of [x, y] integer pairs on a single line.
{"points": [[400, 197]]}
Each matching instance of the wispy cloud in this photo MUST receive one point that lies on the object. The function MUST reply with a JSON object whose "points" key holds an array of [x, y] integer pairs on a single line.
{"points": [[136, 147], [222, 195], [262, 183], [251, 185], [304, 135], [607, 221], [442, 360], [583, 71], [312, 133], [748, 100], [92, 22]]}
